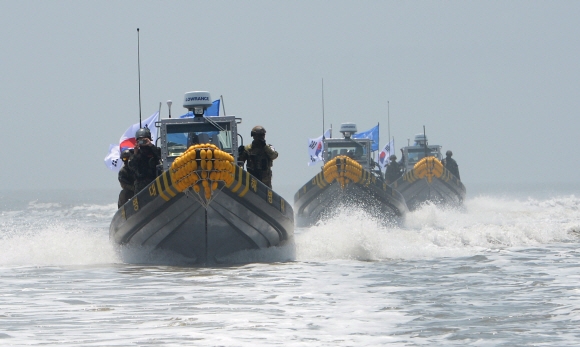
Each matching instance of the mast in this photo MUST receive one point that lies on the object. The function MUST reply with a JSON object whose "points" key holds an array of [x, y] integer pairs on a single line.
{"points": [[388, 121], [425, 138], [139, 77], [323, 109]]}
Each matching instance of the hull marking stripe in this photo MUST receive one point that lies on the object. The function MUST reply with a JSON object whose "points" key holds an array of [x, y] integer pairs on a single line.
{"points": [[160, 190], [166, 180], [247, 187], [239, 178]]}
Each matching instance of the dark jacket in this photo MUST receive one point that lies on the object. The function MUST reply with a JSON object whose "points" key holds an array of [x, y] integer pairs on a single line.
{"points": [[393, 171], [127, 181], [451, 165], [259, 157], [144, 166], [126, 178]]}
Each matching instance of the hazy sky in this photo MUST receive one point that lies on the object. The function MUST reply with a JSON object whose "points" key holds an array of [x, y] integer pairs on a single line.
{"points": [[497, 82]]}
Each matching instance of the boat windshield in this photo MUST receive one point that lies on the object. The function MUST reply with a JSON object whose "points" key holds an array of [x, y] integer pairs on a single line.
{"points": [[351, 149], [181, 136], [414, 155]]}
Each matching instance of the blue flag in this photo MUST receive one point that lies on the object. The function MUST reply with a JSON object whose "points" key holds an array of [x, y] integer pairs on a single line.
{"points": [[372, 134], [212, 111]]}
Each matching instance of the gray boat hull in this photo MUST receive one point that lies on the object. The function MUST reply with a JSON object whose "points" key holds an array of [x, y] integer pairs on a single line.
{"points": [[443, 189], [246, 215], [318, 200]]}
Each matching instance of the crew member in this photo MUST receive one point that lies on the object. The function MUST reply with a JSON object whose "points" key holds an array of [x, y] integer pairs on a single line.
{"points": [[145, 159], [126, 179], [450, 164], [259, 156], [393, 170]]}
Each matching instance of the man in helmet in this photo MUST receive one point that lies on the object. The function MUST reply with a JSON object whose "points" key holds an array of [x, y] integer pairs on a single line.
{"points": [[126, 179], [259, 156], [145, 159], [393, 170], [450, 164]]}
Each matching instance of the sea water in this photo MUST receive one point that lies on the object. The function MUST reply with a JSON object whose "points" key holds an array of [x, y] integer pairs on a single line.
{"points": [[502, 271]]}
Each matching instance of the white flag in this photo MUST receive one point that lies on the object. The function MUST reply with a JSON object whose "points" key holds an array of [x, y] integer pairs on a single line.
{"points": [[316, 148], [113, 159], [387, 151]]}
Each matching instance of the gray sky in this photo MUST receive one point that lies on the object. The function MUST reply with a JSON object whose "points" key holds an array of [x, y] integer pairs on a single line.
{"points": [[497, 82]]}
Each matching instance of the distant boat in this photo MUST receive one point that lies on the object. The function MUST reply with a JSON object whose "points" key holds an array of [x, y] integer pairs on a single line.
{"points": [[425, 179], [203, 208], [348, 178]]}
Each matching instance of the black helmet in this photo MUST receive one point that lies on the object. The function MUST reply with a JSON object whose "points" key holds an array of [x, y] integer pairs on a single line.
{"points": [[393, 157], [126, 155], [448, 153], [143, 132], [258, 130]]}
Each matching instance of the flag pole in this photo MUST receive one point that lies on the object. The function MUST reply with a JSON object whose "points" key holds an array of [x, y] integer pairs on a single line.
{"points": [[223, 105], [139, 76], [378, 141]]}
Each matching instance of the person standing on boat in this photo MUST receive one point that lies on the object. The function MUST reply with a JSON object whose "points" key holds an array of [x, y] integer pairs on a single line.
{"points": [[259, 156], [451, 165], [126, 179], [393, 170], [145, 159]]}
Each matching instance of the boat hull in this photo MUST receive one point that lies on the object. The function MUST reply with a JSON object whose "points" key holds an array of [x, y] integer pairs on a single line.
{"points": [[318, 199], [429, 181], [244, 215]]}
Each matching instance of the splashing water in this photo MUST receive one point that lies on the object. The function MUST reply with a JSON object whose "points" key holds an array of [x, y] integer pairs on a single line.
{"points": [[54, 233], [484, 223]]}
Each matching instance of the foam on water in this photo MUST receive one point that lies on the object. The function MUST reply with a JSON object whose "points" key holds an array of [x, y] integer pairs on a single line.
{"points": [[53, 234], [484, 223], [48, 233], [518, 284]]}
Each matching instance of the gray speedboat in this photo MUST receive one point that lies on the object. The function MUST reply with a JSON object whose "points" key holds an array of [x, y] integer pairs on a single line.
{"points": [[349, 178], [425, 179], [203, 207]]}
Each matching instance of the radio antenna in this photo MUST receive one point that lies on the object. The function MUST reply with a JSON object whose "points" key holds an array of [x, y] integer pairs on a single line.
{"points": [[323, 108], [139, 76], [425, 138], [389, 121]]}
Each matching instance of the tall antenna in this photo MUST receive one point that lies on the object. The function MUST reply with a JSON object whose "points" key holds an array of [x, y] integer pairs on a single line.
{"points": [[389, 121], [139, 75], [323, 108], [425, 138]]}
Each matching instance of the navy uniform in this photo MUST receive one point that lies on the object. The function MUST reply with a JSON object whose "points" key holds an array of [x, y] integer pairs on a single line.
{"points": [[259, 156]]}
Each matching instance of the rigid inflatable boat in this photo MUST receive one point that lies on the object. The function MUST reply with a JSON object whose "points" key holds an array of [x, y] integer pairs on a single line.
{"points": [[349, 178], [203, 207], [425, 179]]}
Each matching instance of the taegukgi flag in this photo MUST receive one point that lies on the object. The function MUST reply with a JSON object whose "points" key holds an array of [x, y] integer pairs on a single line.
{"points": [[113, 159], [316, 148], [387, 151]]}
